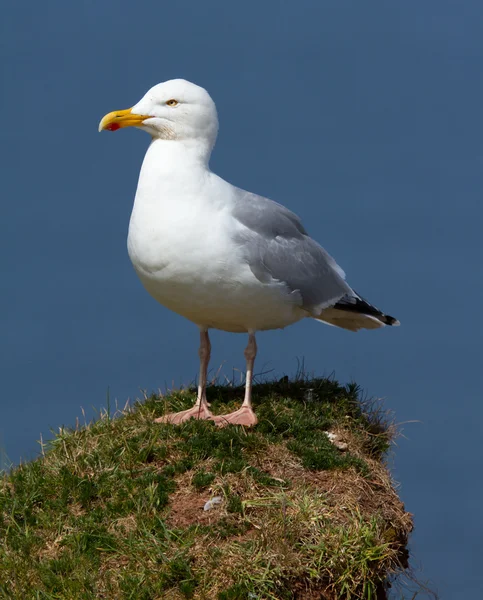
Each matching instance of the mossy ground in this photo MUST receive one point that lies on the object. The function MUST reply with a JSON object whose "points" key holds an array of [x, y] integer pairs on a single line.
{"points": [[114, 509]]}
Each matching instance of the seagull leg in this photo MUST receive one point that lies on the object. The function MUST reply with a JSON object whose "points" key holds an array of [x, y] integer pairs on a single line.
{"points": [[200, 408], [244, 415]]}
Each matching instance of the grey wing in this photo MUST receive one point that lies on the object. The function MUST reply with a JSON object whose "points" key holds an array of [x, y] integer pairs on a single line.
{"points": [[277, 246]]}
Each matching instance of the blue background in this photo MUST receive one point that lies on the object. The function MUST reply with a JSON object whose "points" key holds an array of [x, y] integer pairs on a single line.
{"points": [[362, 117]]}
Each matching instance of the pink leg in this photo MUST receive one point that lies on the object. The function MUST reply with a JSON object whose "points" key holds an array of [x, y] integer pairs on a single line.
{"points": [[200, 408], [244, 415]]}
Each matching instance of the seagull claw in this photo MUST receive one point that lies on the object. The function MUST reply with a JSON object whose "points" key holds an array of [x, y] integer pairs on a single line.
{"points": [[243, 416], [198, 411]]}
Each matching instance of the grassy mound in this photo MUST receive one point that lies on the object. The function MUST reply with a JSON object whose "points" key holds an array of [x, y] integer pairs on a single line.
{"points": [[115, 509]]}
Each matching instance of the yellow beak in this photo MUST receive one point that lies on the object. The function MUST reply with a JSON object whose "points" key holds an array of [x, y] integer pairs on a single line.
{"points": [[121, 118]]}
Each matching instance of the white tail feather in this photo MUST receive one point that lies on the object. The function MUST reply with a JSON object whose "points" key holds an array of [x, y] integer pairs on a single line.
{"points": [[349, 320]]}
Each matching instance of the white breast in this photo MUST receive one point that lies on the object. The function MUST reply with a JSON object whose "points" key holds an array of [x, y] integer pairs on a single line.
{"points": [[182, 247]]}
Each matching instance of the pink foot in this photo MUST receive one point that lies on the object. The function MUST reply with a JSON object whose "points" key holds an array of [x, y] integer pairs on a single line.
{"points": [[198, 411], [242, 416]]}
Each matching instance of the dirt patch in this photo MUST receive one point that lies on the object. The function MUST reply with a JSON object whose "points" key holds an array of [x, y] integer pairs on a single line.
{"points": [[186, 508], [302, 592]]}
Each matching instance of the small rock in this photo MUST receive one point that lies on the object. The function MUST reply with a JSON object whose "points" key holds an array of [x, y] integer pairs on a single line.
{"points": [[213, 502], [335, 439]]}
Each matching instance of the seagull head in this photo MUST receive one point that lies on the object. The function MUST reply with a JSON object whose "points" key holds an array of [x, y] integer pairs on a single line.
{"points": [[173, 110]]}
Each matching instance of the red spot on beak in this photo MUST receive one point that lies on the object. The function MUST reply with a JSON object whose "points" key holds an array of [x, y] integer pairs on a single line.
{"points": [[113, 126]]}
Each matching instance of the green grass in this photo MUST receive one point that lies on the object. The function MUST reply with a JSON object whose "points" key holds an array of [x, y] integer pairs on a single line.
{"points": [[114, 509]]}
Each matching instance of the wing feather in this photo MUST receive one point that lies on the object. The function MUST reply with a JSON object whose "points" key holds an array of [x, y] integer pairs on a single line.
{"points": [[277, 247]]}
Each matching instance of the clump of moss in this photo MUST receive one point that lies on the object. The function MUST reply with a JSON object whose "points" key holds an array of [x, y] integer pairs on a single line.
{"points": [[115, 509]]}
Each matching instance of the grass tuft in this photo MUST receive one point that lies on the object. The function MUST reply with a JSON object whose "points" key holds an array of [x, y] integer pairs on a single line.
{"points": [[115, 509]]}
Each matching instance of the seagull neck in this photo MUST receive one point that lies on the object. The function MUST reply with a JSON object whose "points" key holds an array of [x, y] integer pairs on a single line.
{"points": [[171, 156]]}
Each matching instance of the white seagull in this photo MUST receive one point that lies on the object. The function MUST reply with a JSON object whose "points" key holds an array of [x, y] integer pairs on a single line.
{"points": [[222, 257]]}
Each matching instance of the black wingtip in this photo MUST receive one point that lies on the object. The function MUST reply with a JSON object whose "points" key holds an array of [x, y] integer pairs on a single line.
{"points": [[357, 304], [388, 320]]}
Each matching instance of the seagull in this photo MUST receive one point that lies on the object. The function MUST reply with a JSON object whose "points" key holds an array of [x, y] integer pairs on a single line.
{"points": [[220, 256]]}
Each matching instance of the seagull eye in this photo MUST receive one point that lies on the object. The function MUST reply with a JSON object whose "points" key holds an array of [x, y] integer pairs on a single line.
{"points": [[172, 102]]}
